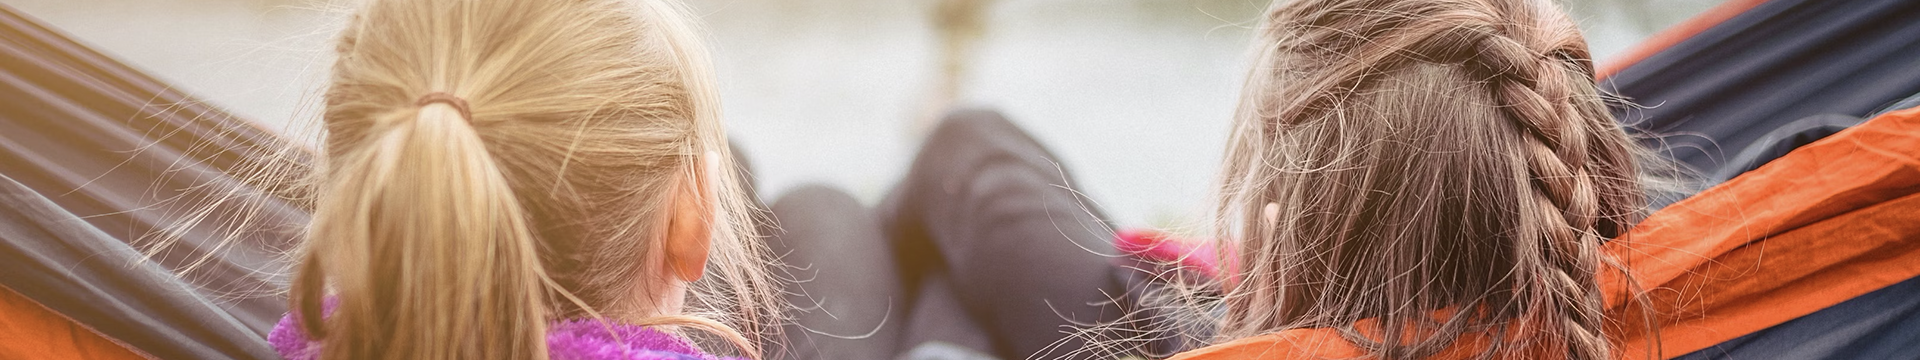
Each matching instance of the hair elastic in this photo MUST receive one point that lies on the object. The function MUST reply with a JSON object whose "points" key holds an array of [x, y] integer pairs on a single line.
{"points": [[449, 99]]}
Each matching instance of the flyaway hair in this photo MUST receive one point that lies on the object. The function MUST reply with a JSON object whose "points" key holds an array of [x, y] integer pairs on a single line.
{"points": [[458, 229], [1438, 168]]}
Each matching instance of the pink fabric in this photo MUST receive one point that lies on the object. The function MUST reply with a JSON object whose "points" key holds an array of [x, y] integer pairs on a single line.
{"points": [[574, 339], [1161, 248]]}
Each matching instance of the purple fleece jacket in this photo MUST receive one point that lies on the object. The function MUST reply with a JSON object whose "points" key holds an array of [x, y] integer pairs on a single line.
{"points": [[576, 339]]}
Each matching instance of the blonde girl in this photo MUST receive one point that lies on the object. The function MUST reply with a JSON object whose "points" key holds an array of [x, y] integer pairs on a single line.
{"points": [[1421, 179], [525, 179]]}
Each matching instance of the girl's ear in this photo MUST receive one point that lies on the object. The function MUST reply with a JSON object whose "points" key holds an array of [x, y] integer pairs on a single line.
{"points": [[690, 227]]}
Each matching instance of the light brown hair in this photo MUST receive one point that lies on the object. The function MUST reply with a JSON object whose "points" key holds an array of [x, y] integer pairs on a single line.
{"points": [[458, 231], [1427, 168]]}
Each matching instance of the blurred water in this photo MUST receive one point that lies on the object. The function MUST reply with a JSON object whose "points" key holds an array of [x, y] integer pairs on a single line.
{"points": [[1133, 95]]}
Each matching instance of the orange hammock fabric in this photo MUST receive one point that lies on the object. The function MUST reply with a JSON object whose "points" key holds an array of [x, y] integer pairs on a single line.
{"points": [[1323, 343], [31, 331], [1830, 221]]}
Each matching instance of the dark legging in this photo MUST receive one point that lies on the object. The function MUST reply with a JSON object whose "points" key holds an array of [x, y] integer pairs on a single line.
{"points": [[985, 244]]}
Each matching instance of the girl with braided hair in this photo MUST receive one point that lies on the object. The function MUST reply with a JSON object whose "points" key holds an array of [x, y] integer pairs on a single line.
{"points": [[1421, 179]]}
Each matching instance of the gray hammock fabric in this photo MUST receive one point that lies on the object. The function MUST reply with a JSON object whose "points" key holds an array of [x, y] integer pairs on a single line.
{"points": [[1720, 91], [97, 159], [65, 263]]}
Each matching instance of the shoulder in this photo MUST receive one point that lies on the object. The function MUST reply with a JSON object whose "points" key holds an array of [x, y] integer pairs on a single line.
{"points": [[289, 338], [1300, 344]]}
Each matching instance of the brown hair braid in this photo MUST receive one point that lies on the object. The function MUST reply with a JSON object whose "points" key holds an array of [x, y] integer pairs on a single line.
{"points": [[1425, 156]]}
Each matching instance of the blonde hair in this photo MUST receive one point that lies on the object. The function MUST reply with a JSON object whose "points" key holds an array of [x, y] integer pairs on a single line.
{"points": [[1412, 171], [445, 235]]}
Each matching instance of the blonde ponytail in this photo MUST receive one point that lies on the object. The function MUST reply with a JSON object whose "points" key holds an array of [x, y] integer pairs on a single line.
{"points": [[431, 254], [536, 188]]}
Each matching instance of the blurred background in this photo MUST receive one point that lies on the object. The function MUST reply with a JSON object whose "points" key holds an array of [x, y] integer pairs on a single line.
{"points": [[1133, 95]]}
